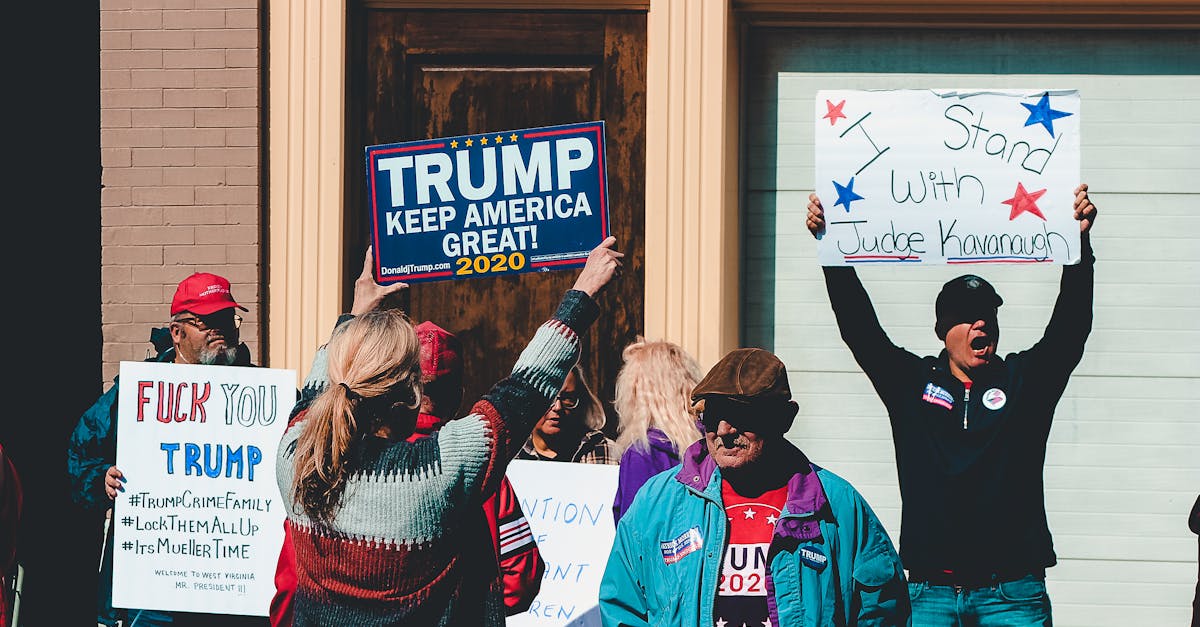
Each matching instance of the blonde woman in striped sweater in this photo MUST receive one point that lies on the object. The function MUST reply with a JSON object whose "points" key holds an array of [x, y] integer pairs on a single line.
{"points": [[379, 524]]}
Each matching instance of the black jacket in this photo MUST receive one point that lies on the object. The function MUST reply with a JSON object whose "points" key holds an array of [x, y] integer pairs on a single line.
{"points": [[972, 495]]}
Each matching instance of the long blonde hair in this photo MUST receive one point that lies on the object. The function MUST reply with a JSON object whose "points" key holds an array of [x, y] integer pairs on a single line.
{"points": [[593, 414], [374, 365], [654, 389]]}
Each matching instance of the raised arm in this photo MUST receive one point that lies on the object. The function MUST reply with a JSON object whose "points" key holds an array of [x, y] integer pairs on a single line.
{"points": [[856, 318], [522, 397], [1061, 346], [368, 295]]}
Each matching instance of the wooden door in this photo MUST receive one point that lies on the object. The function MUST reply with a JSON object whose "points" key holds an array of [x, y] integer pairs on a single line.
{"points": [[423, 74]]}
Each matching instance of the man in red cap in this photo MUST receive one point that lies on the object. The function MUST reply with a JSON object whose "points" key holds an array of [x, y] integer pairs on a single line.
{"points": [[513, 550], [204, 329]]}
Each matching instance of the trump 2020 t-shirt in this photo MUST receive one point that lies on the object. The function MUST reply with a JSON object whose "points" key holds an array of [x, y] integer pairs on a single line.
{"points": [[742, 591]]}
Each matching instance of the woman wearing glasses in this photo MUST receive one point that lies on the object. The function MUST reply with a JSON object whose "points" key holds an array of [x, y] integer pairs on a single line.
{"points": [[570, 431]]}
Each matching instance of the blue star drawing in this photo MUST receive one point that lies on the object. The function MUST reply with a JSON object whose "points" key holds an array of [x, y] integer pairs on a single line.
{"points": [[846, 194], [1043, 114]]}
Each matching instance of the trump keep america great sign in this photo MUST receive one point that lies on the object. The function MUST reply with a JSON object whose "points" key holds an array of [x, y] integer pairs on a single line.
{"points": [[487, 204]]}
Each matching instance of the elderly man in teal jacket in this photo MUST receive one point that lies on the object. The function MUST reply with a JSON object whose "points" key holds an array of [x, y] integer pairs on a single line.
{"points": [[746, 530]]}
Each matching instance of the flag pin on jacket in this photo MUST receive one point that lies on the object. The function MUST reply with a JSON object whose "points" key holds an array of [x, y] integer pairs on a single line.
{"points": [[994, 398]]}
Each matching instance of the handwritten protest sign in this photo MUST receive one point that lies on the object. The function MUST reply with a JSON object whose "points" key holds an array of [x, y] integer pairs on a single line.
{"points": [[199, 525], [569, 509], [954, 177], [488, 204]]}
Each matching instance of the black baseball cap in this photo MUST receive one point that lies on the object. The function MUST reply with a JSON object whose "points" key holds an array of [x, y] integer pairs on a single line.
{"points": [[966, 298]]}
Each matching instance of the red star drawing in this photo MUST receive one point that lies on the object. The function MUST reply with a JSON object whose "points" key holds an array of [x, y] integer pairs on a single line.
{"points": [[1023, 201], [835, 112]]}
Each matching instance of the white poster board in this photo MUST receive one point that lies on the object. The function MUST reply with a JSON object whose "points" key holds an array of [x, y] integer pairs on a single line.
{"points": [[947, 176], [200, 523], [569, 509]]}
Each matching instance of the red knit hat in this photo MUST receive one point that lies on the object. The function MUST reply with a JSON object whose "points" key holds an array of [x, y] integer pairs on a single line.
{"points": [[203, 293], [441, 372], [441, 352]]}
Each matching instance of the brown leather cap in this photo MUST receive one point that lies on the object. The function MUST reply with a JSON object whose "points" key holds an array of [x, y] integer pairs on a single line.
{"points": [[750, 376]]}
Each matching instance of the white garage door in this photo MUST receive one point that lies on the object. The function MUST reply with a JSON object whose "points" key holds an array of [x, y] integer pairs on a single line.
{"points": [[1123, 465]]}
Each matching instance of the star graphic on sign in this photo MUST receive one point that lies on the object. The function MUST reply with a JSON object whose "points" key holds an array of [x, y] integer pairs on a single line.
{"points": [[771, 519], [721, 622], [454, 143], [846, 194], [749, 513], [499, 139], [512, 137], [835, 112], [767, 623], [1023, 201], [483, 141], [470, 142], [1041, 113]]}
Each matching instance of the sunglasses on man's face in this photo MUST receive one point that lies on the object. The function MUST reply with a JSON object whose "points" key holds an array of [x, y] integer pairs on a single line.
{"points": [[737, 417], [214, 321]]}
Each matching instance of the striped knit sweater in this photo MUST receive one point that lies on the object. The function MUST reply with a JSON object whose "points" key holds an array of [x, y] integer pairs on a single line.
{"points": [[395, 550]]}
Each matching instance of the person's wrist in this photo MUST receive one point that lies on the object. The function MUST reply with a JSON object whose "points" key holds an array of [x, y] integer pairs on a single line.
{"points": [[586, 288]]}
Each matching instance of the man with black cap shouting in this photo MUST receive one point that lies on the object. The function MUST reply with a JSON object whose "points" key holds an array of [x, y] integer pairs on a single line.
{"points": [[746, 530], [970, 431]]}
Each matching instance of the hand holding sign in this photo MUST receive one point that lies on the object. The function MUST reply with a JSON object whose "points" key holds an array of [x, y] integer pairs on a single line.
{"points": [[114, 482], [816, 216], [369, 294], [1085, 211], [602, 264]]}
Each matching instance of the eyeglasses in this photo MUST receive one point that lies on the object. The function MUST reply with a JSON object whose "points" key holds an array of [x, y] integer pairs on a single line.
{"points": [[212, 322], [568, 402]]}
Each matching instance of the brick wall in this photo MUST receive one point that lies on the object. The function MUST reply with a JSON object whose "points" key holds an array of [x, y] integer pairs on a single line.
{"points": [[180, 139]]}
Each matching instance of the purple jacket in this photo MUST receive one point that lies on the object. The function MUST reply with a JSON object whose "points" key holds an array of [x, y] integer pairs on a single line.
{"points": [[638, 464]]}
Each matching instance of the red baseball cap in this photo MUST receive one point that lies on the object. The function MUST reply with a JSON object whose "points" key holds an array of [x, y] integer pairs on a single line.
{"points": [[203, 293]]}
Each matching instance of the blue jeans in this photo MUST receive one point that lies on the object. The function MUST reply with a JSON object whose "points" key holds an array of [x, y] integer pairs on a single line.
{"points": [[1017, 603]]}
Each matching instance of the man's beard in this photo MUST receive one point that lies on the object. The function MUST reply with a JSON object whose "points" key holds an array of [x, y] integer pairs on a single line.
{"points": [[218, 356]]}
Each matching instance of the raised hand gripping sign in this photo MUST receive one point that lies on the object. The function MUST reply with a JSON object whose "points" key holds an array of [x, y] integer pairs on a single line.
{"points": [[492, 203], [947, 176]]}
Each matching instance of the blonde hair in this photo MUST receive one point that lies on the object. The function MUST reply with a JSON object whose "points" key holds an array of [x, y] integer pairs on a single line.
{"points": [[654, 389], [374, 365], [593, 414]]}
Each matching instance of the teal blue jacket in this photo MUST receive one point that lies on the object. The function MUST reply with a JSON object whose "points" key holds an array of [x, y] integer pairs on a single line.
{"points": [[662, 573]]}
